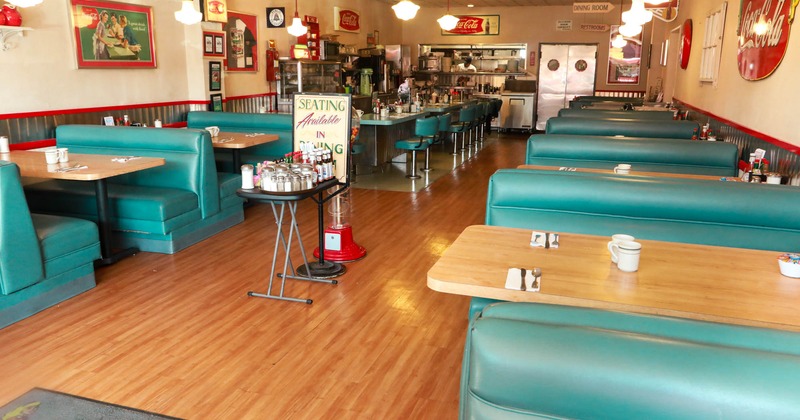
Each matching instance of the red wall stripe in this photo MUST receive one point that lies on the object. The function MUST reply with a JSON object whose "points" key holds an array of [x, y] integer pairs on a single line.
{"points": [[767, 138], [97, 109], [32, 144]]}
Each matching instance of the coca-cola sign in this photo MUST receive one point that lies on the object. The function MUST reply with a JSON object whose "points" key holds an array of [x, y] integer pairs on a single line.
{"points": [[346, 20], [763, 36], [476, 25]]}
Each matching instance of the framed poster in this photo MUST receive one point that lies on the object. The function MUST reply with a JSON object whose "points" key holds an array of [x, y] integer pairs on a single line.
{"points": [[276, 17], [242, 43], [213, 44], [214, 75], [324, 120], [346, 20], [113, 35], [624, 64], [216, 103], [214, 10], [476, 25]]}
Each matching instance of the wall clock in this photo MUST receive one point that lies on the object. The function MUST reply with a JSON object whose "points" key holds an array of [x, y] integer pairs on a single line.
{"points": [[686, 43], [276, 17]]}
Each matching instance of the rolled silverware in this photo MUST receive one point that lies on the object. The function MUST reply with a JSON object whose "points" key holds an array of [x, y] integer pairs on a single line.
{"points": [[546, 240], [522, 274]]}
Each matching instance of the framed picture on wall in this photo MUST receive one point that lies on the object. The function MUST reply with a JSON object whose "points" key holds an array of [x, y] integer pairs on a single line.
{"points": [[624, 61], [214, 75], [242, 42], [113, 35], [213, 44], [216, 103], [214, 10]]}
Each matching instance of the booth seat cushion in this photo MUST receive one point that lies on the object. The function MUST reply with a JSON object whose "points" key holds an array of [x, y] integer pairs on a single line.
{"points": [[706, 212], [65, 242], [531, 360], [645, 154], [132, 207], [596, 127]]}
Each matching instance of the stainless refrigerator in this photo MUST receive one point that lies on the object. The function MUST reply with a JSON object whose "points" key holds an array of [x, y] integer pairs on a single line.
{"points": [[565, 71]]}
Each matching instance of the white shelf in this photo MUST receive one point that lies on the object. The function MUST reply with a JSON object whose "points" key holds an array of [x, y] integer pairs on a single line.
{"points": [[9, 31]]}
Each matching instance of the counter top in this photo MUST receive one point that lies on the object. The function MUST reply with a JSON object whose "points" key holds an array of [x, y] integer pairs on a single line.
{"points": [[452, 106], [392, 119]]}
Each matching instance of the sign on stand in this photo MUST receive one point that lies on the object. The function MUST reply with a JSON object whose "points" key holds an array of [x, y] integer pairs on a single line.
{"points": [[323, 119]]}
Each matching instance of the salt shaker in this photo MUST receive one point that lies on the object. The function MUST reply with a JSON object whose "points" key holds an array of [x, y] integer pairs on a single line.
{"points": [[4, 147], [247, 177]]}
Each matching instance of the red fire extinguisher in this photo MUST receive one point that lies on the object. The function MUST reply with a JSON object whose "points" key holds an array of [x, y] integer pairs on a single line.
{"points": [[272, 62]]}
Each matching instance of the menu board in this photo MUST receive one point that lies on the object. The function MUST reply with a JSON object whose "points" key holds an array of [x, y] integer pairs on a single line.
{"points": [[324, 120]]}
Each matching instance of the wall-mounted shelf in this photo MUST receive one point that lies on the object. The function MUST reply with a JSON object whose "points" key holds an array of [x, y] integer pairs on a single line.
{"points": [[9, 31]]}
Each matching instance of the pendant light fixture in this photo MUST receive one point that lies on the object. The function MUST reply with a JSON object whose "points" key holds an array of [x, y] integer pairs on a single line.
{"points": [[619, 41], [188, 15], [629, 30], [297, 28], [638, 15], [448, 21], [405, 10], [24, 3]]}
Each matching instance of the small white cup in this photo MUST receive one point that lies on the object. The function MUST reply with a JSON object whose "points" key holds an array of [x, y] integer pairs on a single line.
{"points": [[4, 147], [385, 112], [617, 238], [622, 168], [157, 123], [627, 255], [262, 110], [63, 155], [214, 130], [51, 156], [247, 177], [773, 179]]}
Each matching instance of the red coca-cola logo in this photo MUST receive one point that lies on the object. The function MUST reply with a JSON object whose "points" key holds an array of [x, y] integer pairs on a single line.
{"points": [[469, 25], [348, 20], [90, 16], [763, 36]]}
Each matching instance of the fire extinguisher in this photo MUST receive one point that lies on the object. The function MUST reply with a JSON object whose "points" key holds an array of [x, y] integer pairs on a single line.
{"points": [[272, 62]]}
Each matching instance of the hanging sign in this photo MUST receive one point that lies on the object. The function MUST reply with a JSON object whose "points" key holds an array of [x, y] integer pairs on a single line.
{"points": [[476, 25], [592, 7], [563, 25], [346, 20], [323, 119], [594, 27], [763, 36]]}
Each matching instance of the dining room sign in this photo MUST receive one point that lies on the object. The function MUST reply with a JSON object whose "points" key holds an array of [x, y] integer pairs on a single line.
{"points": [[763, 36], [113, 35], [476, 25], [324, 120]]}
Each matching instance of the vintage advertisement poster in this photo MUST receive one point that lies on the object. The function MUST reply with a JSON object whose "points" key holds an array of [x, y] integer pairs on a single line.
{"points": [[346, 20], [476, 25], [324, 120], [763, 36], [113, 35], [242, 48], [214, 10]]}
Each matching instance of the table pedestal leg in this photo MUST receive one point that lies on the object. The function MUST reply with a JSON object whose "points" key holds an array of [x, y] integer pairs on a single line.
{"points": [[107, 256]]}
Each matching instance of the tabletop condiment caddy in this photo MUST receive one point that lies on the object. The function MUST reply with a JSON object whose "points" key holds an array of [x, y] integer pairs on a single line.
{"points": [[297, 171]]}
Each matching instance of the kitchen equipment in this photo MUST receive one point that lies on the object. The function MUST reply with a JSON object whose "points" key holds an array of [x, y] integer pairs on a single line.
{"points": [[430, 63], [519, 105], [513, 66], [565, 71], [366, 82], [329, 50], [447, 63]]}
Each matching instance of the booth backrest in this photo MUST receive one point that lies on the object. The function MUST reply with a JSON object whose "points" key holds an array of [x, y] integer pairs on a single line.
{"points": [[20, 255], [594, 127], [606, 113], [644, 154], [188, 153], [238, 122], [733, 214], [525, 360]]}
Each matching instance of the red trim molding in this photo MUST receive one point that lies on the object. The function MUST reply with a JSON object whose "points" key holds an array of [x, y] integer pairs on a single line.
{"points": [[767, 138], [28, 145], [257, 95], [96, 109]]}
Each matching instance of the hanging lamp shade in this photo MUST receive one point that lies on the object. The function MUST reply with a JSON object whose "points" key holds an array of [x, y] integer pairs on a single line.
{"points": [[618, 41], [24, 3], [405, 10], [638, 15], [630, 31], [656, 2], [296, 28], [188, 15], [448, 21]]}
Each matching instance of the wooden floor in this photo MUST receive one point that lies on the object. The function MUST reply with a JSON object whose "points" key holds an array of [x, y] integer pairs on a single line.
{"points": [[178, 335]]}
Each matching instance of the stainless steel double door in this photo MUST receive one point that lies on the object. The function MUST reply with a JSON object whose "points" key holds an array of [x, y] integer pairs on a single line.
{"points": [[565, 71]]}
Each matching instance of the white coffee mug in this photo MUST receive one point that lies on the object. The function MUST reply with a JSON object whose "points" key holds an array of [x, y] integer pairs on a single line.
{"points": [[214, 130], [617, 238], [385, 112], [51, 156], [773, 179], [622, 168], [627, 255], [4, 147], [63, 155]]}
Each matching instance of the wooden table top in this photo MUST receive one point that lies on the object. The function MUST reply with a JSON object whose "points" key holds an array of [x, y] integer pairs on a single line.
{"points": [[33, 164], [633, 172], [729, 285], [229, 140]]}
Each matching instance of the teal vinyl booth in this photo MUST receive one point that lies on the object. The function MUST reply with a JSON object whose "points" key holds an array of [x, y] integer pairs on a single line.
{"points": [[163, 209], [240, 122], [44, 259], [525, 360], [596, 127], [644, 154], [625, 115]]}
